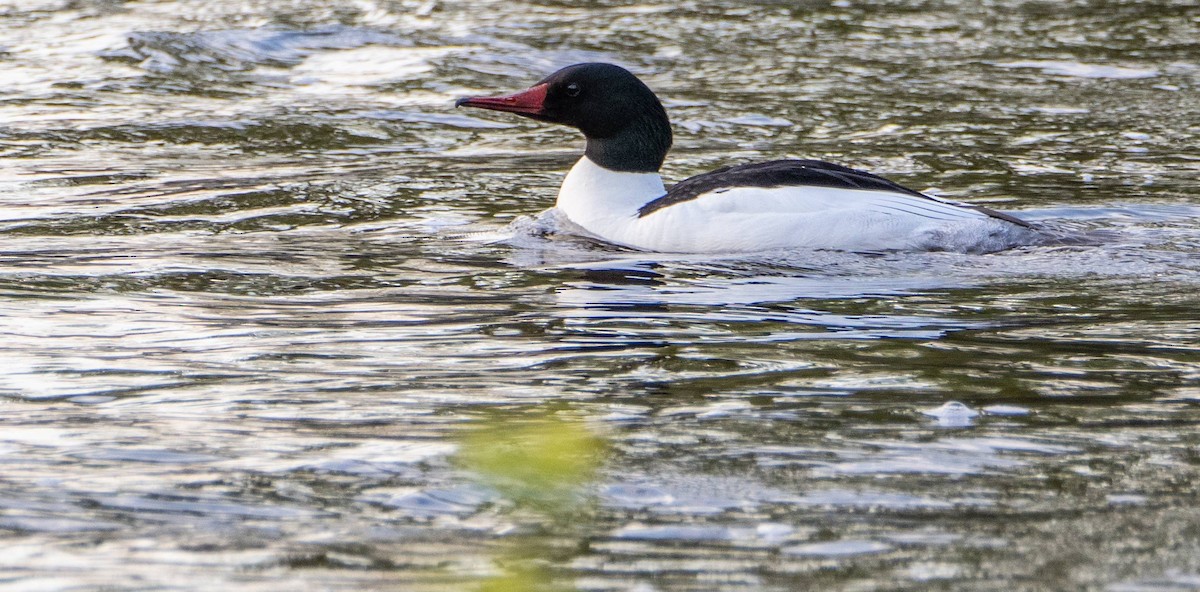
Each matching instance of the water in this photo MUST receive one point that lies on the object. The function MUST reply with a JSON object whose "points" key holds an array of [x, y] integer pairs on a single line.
{"points": [[267, 298]]}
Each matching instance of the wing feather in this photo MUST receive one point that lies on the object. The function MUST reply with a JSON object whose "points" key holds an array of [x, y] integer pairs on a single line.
{"points": [[814, 173]]}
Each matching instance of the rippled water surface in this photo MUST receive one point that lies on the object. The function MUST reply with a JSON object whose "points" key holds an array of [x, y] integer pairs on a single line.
{"points": [[276, 316]]}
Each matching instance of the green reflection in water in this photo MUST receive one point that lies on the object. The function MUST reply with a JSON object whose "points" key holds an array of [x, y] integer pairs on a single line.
{"points": [[541, 463]]}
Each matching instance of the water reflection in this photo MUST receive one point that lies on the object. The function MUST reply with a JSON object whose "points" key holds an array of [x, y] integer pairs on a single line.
{"points": [[262, 290], [541, 464]]}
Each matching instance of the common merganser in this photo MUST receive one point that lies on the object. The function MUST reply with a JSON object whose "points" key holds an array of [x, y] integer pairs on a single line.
{"points": [[615, 192]]}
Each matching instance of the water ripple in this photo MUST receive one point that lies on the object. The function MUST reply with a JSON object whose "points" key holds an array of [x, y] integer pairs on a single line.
{"points": [[258, 276]]}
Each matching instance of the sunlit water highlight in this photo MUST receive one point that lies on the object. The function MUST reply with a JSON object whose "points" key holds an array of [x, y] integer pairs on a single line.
{"points": [[262, 289]]}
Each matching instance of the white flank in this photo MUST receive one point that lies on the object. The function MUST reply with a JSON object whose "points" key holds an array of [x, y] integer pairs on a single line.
{"points": [[746, 219]]}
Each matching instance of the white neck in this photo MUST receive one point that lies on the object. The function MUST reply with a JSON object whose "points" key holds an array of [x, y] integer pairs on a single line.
{"points": [[606, 202]]}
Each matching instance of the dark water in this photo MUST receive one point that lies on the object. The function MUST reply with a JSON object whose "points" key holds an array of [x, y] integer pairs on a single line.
{"points": [[272, 318]]}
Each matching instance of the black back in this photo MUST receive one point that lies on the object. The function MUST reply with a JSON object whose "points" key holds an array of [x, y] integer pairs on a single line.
{"points": [[788, 173]]}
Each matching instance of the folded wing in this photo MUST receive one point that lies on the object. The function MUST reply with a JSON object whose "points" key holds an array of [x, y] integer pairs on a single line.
{"points": [[891, 197]]}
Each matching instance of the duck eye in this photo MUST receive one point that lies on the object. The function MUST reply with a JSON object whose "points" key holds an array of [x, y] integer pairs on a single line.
{"points": [[573, 89]]}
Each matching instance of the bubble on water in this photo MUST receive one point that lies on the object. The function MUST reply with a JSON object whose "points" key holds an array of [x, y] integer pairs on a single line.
{"points": [[928, 570], [1128, 499], [759, 121], [92, 399], [673, 533], [1081, 70], [953, 414], [838, 548], [1006, 410], [774, 531]]}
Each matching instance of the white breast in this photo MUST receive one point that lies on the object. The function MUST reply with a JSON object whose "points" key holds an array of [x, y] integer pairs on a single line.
{"points": [[744, 219], [606, 202]]}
